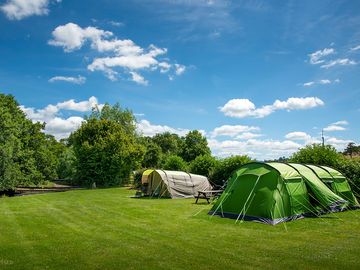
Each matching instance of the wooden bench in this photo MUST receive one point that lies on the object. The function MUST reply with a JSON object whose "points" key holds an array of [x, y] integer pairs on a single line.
{"points": [[208, 195]]}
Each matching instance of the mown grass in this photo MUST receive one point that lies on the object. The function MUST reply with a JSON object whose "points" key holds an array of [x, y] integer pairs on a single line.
{"points": [[106, 229]]}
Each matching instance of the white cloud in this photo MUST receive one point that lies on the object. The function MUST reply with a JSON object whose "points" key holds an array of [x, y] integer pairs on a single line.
{"points": [[232, 131], [259, 149], [179, 69], [323, 81], [55, 125], [339, 62], [298, 136], [308, 84], [339, 144], [342, 122], [136, 77], [316, 57], [61, 128], [248, 135], [337, 126], [334, 128], [147, 129], [241, 108], [120, 54], [355, 48], [20, 9], [72, 37], [76, 80]]}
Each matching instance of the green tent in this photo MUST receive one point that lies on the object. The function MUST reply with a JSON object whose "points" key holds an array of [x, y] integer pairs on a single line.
{"points": [[336, 182], [273, 193]]}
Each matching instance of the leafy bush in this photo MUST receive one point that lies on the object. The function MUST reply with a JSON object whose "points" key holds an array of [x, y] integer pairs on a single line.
{"points": [[350, 167], [327, 155], [203, 165], [225, 167], [175, 163], [105, 153], [27, 155], [194, 145], [137, 178], [318, 155]]}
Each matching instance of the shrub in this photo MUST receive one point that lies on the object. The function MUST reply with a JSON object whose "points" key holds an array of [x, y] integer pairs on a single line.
{"points": [[318, 155], [350, 167], [225, 167], [203, 165], [175, 163]]}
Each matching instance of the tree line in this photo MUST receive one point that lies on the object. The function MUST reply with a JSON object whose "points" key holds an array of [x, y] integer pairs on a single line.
{"points": [[106, 149]]}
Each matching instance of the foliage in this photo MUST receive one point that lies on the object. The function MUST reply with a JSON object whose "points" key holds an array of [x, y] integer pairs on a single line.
{"points": [[350, 167], [137, 178], [170, 143], [352, 149], [105, 152], [203, 165], [327, 155], [317, 154], [116, 114], [67, 161], [225, 167], [174, 163], [195, 144], [27, 155], [153, 154]]}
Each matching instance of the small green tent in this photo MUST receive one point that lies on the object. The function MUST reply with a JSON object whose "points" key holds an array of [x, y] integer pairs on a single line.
{"points": [[275, 192], [336, 182]]}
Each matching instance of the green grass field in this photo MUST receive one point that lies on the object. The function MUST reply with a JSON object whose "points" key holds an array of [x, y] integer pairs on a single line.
{"points": [[106, 229]]}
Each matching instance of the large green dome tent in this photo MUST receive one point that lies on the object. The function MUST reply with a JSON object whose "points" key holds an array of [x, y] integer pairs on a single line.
{"points": [[336, 182], [273, 193]]}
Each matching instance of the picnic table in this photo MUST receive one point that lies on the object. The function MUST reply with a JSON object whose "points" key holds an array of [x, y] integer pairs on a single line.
{"points": [[208, 194]]}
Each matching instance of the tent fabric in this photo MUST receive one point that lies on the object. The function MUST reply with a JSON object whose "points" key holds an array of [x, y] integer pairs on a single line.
{"points": [[175, 184], [275, 192], [336, 182], [145, 176]]}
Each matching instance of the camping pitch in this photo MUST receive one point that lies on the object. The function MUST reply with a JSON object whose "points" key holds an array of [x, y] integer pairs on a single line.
{"points": [[276, 192], [173, 184]]}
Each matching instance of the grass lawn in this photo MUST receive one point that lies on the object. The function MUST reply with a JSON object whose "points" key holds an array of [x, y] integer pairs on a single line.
{"points": [[106, 229]]}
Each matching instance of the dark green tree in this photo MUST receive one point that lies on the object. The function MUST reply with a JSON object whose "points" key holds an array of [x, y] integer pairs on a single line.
{"points": [[170, 143], [27, 155], [106, 147], [153, 155], [351, 149], [174, 163], [317, 154], [195, 144], [225, 167], [203, 165]]}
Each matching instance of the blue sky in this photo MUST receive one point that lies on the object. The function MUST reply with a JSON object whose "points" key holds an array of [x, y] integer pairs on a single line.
{"points": [[256, 77]]}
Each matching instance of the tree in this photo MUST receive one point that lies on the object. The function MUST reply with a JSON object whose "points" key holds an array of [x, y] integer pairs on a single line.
{"points": [[195, 144], [106, 147], [225, 167], [175, 163], [153, 155], [26, 154], [351, 149], [317, 154], [115, 113], [170, 143], [203, 165]]}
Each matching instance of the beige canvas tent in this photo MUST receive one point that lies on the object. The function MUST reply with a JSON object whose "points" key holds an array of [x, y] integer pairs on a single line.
{"points": [[173, 184]]}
